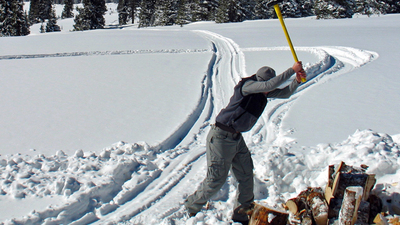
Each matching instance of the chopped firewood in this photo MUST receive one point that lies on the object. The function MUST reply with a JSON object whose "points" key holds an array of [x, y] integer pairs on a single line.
{"points": [[319, 207], [334, 207], [344, 176], [351, 201], [376, 206], [380, 220], [295, 205], [363, 213], [347, 199], [309, 204], [394, 221], [261, 215]]}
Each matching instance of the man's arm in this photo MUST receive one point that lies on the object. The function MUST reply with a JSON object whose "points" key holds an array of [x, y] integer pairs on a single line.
{"points": [[288, 90], [285, 92], [253, 87]]}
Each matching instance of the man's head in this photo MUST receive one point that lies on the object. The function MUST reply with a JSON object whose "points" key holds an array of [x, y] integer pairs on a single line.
{"points": [[265, 73]]}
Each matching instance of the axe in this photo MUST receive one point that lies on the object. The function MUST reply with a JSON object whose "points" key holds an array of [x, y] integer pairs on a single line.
{"points": [[279, 14]]}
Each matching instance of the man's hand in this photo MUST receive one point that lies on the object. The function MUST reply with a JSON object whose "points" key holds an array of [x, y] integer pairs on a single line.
{"points": [[297, 67], [300, 76], [300, 73]]}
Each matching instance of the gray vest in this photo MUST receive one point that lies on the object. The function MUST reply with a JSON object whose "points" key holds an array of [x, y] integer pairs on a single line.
{"points": [[242, 112]]}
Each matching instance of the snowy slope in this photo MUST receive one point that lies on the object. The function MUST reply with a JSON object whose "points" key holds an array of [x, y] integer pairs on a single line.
{"points": [[154, 94]]}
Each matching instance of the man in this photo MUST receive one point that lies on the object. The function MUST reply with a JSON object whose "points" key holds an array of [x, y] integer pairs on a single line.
{"points": [[226, 148]]}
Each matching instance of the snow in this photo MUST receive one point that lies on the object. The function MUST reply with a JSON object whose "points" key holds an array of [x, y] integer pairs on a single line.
{"points": [[109, 126]]}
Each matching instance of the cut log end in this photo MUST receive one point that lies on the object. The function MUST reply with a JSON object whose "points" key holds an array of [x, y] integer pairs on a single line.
{"points": [[292, 206]]}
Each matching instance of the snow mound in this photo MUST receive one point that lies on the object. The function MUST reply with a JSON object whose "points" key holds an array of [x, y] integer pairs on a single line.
{"points": [[86, 180]]}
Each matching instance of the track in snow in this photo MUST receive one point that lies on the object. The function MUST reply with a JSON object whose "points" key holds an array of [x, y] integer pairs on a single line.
{"points": [[95, 53], [144, 184]]}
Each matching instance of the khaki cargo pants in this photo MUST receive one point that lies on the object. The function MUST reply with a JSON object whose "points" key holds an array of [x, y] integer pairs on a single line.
{"points": [[225, 151]]}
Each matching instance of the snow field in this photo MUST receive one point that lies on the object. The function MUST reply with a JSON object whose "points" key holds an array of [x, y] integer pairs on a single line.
{"points": [[146, 179]]}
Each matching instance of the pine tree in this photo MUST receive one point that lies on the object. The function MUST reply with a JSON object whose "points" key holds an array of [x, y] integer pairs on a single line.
{"points": [[249, 9], [182, 17], [389, 6], [230, 11], [261, 11], [166, 12], [366, 7], [236, 11], [194, 10], [45, 8], [127, 11], [51, 25], [306, 8], [42, 28], [146, 14], [34, 11], [209, 9], [13, 20], [326, 9], [67, 11], [91, 16], [222, 13], [290, 9], [123, 13], [133, 9], [204, 11]]}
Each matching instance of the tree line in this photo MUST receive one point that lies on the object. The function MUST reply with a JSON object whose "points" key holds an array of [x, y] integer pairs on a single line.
{"points": [[15, 22]]}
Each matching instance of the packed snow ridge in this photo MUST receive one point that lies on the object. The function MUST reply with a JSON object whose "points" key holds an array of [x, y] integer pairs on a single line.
{"points": [[94, 53], [137, 183]]}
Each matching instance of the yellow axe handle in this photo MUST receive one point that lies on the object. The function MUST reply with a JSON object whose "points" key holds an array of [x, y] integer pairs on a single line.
{"points": [[279, 14]]}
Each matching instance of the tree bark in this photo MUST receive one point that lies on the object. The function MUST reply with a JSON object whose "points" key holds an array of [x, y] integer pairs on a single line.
{"points": [[351, 201], [319, 207]]}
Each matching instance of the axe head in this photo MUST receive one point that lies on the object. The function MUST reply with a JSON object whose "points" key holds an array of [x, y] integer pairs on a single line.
{"points": [[273, 2]]}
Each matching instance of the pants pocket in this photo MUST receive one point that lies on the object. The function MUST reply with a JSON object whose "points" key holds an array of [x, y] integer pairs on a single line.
{"points": [[216, 171]]}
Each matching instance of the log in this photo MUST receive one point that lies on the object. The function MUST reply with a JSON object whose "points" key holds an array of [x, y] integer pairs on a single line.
{"points": [[318, 206], [334, 207], [394, 221], [349, 180], [380, 220], [349, 209], [376, 206], [371, 180], [331, 171], [363, 213], [333, 181], [341, 177], [309, 204], [261, 215], [296, 205], [345, 176]]}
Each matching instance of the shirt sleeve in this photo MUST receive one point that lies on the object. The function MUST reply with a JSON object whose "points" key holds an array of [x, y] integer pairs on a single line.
{"points": [[285, 92], [253, 87]]}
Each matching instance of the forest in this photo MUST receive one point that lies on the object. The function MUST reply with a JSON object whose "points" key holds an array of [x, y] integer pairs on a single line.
{"points": [[14, 21]]}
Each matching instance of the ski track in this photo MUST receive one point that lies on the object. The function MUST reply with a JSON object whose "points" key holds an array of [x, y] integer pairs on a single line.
{"points": [[97, 53], [139, 182]]}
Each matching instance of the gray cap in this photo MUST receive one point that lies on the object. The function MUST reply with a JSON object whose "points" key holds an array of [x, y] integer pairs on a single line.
{"points": [[265, 73]]}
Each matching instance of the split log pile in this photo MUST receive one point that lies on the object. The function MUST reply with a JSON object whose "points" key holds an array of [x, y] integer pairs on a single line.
{"points": [[308, 206], [346, 200]]}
